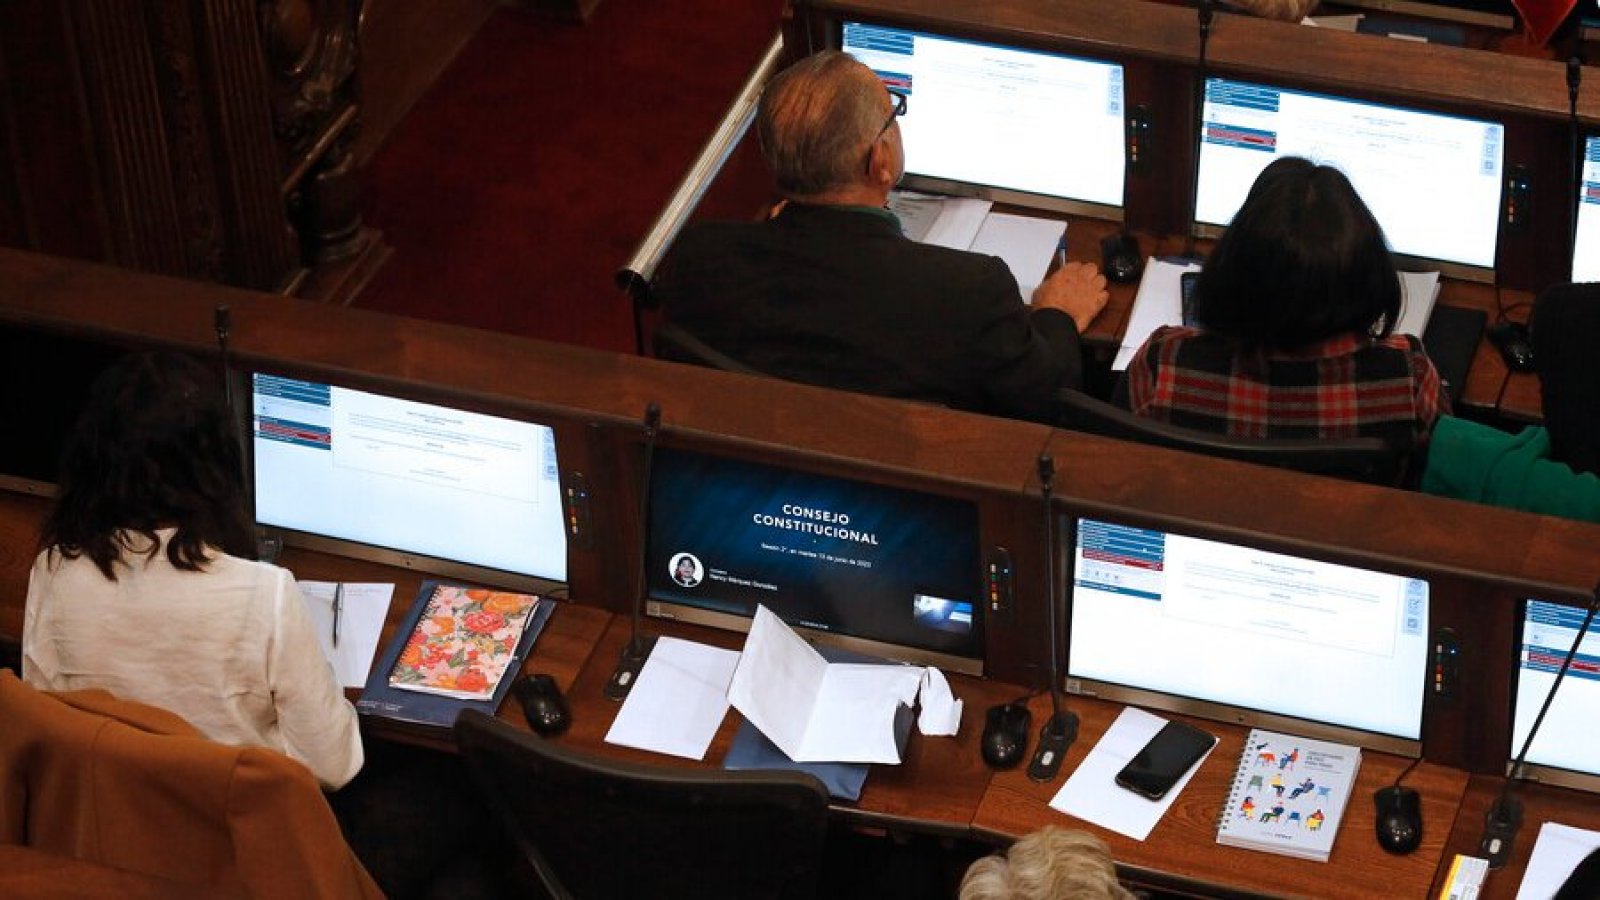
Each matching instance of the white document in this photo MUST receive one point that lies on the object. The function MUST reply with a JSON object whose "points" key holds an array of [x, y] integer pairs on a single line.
{"points": [[1418, 291], [1027, 245], [1556, 853], [1092, 793], [363, 609], [815, 711], [942, 221], [678, 701], [1159, 302], [941, 711]]}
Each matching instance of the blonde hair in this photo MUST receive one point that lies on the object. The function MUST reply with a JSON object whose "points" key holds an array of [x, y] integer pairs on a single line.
{"points": [[1049, 864]]}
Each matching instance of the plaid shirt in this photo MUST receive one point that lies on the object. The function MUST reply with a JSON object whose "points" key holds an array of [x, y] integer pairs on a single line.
{"points": [[1346, 386]]}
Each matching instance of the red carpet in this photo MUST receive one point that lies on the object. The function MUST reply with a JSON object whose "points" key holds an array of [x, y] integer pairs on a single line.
{"points": [[529, 172]]}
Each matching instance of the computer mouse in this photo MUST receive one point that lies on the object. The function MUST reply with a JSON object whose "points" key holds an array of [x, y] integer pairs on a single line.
{"points": [[1120, 259], [542, 704], [1399, 818], [1005, 734], [1516, 345]]}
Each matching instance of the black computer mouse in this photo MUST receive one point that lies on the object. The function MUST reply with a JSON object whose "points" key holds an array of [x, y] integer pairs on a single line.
{"points": [[1516, 345], [1120, 259], [1399, 818], [542, 704], [1005, 734]]}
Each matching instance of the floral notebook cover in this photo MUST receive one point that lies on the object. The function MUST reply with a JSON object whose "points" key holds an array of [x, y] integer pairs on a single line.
{"points": [[463, 642]]}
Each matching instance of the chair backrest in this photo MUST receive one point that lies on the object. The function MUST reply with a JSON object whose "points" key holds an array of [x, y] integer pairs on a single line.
{"points": [[675, 343], [1368, 459], [592, 827]]}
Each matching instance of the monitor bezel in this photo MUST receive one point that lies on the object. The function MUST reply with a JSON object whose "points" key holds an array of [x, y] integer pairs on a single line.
{"points": [[1403, 261], [271, 538], [951, 662], [996, 194], [1215, 710], [1540, 773]]}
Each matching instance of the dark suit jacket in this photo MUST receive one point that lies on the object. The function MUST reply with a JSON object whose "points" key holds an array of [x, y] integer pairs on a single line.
{"points": [[838, 297]]}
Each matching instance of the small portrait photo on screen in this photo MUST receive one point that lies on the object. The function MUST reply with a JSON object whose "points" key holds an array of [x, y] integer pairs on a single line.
{"points": [[946, 615], [685, 569]]}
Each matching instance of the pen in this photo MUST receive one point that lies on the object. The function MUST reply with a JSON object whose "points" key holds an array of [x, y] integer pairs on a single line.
{"points": [[338, 609], [1061, 251]]}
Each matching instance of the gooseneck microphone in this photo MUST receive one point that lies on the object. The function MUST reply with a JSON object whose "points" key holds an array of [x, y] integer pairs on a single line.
{"points": [[638, 648], [1057, 734], [1504, 818], [222, 322], [1574, 81], [1206, 10]]}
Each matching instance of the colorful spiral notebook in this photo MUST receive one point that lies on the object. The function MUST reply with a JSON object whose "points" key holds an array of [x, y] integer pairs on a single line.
{"points": [[460, 648], [1288, 795]]}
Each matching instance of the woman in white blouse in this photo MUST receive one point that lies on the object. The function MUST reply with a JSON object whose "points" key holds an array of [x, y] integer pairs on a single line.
{"points": [[146, 586]]}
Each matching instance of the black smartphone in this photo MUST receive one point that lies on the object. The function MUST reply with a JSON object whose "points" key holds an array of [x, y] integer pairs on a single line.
{"points": [[1155, 769], [1186, 283]]}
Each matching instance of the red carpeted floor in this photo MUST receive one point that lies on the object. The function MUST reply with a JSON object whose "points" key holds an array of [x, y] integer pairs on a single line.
{"points": [[528, 173]]}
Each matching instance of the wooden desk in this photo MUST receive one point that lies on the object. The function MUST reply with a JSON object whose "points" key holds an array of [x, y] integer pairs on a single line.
{"points": [[1541, 803], [1182, 852]]}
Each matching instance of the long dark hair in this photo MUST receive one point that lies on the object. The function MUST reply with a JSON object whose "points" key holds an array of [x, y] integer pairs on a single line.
{"points": [[1565, 332], [1304, 260], [153, 449]]}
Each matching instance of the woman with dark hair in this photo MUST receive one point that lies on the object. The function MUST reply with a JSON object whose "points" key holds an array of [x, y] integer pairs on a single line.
{"points": [[1555, 469], [1296, 310], [145, 585]]}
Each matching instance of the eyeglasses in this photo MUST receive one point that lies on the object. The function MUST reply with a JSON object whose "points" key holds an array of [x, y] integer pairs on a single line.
{"points": [[899, 110]]}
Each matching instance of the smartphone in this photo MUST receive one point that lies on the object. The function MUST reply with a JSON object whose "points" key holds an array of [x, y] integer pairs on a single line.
{"points": [[1155, 769], [1186, 283]]}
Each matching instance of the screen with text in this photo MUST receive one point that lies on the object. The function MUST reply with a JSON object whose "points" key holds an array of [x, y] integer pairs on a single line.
{"points": [[1433, 181], [878, 563], [1566, 738], [1586, 249], [1249, 629], [1001, 116], [408, 476]]}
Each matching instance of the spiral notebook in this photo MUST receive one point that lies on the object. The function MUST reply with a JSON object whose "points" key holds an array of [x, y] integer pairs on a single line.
{"points": [[1288, 795]]}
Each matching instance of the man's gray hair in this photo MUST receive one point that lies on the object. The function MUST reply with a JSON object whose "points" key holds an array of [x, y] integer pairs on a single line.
{"points": [[814, 121]]}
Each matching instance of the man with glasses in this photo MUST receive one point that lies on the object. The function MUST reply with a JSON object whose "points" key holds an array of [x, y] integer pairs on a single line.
{"points": [[829, 291]]}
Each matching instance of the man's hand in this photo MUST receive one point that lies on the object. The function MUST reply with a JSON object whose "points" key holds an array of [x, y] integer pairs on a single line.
{"points": [[1077, 289]]}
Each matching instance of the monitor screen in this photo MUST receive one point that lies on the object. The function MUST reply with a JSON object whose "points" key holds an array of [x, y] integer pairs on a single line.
{"points": [[890, 570], [983, 114], [1244, 631], [1586, 249], [408, 477], [1433, 181], [1566, 738]]}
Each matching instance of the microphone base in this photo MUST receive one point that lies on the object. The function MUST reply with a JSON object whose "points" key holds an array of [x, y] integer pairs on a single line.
{"points": [[1500, 829], [634, 654], [1055, 736]]}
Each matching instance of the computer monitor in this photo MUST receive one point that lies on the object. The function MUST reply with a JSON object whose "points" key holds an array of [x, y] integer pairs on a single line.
{"points": [[1433, 181], [884, 570], [1042, 129], [458, 493], [1565, 750], [1586, 248], [1246, 635]]}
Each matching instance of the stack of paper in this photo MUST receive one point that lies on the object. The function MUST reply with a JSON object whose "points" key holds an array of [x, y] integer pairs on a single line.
{"points": [[1027, 244]]}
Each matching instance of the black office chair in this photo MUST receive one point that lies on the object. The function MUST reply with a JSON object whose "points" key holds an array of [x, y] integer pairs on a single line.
{"points": [[596, 828], [675, 343], [1370, 460]]}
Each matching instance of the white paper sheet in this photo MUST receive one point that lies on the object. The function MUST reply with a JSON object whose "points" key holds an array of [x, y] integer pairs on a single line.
{"points": [[941, 711], [1159, 302], [814, 711], [1418, 291], [942, 221], [1092, 793], [1556, 853], [1027, 245], [364, 609], [678, 701]]}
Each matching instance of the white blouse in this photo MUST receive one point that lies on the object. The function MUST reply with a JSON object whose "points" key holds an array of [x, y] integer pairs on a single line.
{"points": [[229, 648]]}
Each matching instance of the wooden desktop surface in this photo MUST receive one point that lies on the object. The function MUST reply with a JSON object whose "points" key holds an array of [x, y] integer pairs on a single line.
{"points": [[1541, 803], [1182, 852]]}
